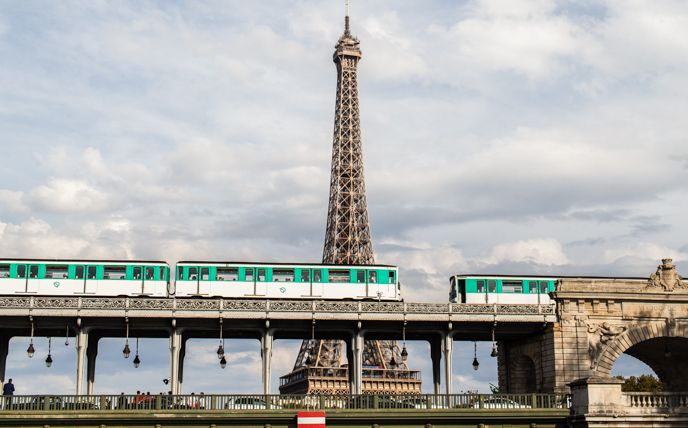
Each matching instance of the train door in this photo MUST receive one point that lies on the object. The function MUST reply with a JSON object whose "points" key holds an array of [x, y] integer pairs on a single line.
{"points": [[317, 282], [32, 283], [148, 280], [80, 276], [204, 281], [91, 282], [492, 292], [373, 286], [23, 277], [138, 282], [261, 279]]}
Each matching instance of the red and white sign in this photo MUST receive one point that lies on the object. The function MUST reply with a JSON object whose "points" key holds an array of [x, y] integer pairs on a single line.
{"points": [[310, 419]]}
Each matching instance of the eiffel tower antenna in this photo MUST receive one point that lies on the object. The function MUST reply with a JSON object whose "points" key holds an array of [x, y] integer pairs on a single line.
{"points": [[319, 366]]}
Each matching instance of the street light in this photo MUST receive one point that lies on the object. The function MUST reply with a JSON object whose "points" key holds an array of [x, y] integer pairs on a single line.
{"points": [[221, 348], [30, 351], [49, 358], [137, 360], [476, 364], [404, 352], [223, 362]]}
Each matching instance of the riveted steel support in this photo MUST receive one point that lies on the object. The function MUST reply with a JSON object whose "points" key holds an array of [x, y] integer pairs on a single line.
{"points": [[448, 350], [175, 360], [81, 346], [355, 357], [436, 357], [91, 354], [266, 357]]}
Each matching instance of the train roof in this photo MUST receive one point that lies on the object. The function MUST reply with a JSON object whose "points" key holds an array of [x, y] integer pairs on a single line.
{"points": [[278, 264], [9, 260], [491, 275]]}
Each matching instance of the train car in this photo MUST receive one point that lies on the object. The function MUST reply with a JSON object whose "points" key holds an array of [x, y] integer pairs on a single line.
{"points": [[84, 277], [501, 289], [286, 280]]}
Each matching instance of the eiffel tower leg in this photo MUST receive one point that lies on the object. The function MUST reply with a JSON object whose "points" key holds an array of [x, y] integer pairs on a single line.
{"points": [[436, 356], [355, 357], [266, 356], [448, 348]]}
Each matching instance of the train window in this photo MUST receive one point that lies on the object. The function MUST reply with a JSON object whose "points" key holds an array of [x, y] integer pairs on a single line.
{"points": [[56, 272], [21, 271], [339, 276], [391, 278], [193, 273], [137, 272], [150, 273], [162, 276], [91, 272], [317, 275], [115, 272], [544, 287], [512, 287], [249, 274], [372, 277], [180, 272], [227, 274], [205, 274], [305, 277], [532, 286], [33, 271], [480, 284], [261, 274], [360, 276], [79, 272], [285, 275], [4, 271], [491, 286]]}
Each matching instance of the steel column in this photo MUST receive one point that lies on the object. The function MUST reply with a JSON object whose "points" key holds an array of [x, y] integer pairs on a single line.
{"points": [[81, 346], [266, 356], [448, 349], [355, 358], [175, 354], [436, 357], [91, 354]]}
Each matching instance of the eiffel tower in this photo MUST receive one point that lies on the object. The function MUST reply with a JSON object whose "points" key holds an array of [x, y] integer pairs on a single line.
{"points": [[320, 366]]}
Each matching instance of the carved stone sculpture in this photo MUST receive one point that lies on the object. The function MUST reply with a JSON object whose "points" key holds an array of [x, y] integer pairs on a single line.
{"points": [[665, 277], [599, 335]]}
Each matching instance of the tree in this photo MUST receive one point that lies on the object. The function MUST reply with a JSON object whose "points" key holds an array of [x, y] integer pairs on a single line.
{"points": [[642, 383]]}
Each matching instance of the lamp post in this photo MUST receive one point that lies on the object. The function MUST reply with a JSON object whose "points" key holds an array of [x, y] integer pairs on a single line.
{"points": [[49, 358], [30, 351], [475, 364]]}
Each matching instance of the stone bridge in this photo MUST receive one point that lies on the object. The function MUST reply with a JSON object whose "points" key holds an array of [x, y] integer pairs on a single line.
{"points": [[598, 320]]}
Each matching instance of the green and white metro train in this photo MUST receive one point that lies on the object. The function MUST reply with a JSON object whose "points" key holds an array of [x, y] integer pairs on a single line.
{"points": [[198, 278], [511, 289]]}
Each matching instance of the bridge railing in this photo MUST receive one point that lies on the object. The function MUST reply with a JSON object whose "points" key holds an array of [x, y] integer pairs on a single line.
{"points": [[658, 400], [218, 402]]}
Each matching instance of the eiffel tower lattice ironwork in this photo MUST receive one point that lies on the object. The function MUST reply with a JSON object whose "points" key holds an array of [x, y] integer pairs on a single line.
{"points": [[320, 365]]}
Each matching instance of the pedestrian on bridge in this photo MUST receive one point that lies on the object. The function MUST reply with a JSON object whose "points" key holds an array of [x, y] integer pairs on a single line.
{"points": [[8, 391]]}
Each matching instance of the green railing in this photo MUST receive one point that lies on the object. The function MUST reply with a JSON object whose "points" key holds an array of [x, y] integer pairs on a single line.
{"points": [[219, 402]]}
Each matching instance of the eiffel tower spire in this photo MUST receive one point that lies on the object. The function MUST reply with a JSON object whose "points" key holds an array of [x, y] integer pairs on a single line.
{"points": [[319, 366]]}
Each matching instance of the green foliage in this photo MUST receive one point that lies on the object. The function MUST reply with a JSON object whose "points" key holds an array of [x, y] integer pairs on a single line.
{"points": [[642, 383]]}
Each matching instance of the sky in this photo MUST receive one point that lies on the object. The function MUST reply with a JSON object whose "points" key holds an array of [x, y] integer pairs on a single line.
{"points": [[541, 137]]}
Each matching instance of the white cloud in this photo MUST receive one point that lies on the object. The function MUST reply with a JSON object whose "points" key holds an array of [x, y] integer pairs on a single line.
{"points": [[66, 195], [532, 251]]}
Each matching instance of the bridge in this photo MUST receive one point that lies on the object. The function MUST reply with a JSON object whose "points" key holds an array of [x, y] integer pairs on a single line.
{"points": [[92, 318], [543, 351]]}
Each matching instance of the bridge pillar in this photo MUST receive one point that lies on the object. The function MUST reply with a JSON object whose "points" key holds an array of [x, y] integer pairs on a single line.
{"points": [[355, 358], [4, 349], [448, 351], [266, 357], [91, 354], [436, 357], [81, 346], [528, 365], [182, 356], [175, 354]]}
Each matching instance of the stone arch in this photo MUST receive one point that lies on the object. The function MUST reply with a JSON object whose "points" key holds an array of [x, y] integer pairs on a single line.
{"points": [[523, 375], [647, 343]]}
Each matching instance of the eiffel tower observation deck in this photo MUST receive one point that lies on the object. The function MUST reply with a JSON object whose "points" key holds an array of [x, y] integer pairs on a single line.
{"points": [[321, 366]]}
